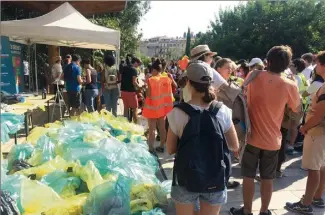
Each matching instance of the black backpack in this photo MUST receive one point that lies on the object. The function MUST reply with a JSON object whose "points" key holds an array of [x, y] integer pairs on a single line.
{"points": [[202, 162]]}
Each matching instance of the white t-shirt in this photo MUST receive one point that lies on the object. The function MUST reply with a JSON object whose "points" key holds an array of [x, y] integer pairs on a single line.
{"points": [[178, 119], [307, 72], [313, 89], [56, 73], [218, 80]]}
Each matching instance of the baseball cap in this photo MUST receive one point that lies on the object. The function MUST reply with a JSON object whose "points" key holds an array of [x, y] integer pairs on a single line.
{"points": [[200, 50], [255, 61], [197, 71]]}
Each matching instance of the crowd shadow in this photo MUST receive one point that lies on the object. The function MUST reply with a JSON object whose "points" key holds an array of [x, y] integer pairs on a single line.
{"points": [[292, 170]]}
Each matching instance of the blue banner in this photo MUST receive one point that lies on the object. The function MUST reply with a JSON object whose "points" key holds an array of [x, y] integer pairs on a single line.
{"points": [[12, 79], [17, 65]]}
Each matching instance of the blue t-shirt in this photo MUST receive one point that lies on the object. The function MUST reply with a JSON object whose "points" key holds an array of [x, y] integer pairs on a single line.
{"points": [[71, 73]]}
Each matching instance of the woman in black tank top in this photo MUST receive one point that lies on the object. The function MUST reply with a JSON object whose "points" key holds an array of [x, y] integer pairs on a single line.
{"points": [[91, 86]]}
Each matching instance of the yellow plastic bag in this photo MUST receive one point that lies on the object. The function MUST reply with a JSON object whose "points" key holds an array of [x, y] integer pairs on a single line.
{"points": [[56, 124], [37, 197], [48, 167], [90, 174], [35, 134], [110, 177], [144, 197], [90, 117], [71, 206]]}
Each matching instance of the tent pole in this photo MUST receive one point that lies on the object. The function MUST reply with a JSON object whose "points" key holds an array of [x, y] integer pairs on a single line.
{"points": [[117, 58], [29, 68], [36, 70]]}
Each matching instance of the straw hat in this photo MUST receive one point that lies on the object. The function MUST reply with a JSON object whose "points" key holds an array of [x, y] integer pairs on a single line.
{"points": [[200, 50]]}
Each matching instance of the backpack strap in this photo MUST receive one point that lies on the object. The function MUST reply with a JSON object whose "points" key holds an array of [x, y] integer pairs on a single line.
{"points": [[187, 108], [215, 107], [251, 77]]}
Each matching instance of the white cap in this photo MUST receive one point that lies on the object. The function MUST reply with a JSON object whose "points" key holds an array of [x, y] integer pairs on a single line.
{"points": [[255, 61]]}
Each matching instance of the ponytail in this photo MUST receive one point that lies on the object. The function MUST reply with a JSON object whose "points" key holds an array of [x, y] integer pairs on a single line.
{"points": [[207, 89], [209, 95]]}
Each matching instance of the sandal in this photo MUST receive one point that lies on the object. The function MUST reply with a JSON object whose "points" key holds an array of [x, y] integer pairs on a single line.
{"points": [[160, 149]]}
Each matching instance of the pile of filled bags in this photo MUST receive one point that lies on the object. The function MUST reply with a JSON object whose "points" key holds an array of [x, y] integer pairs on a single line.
{"points": [[94, 164], [10, 124]]}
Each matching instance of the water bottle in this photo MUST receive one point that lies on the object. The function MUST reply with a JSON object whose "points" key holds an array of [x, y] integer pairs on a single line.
{"points": [[44, 94]]}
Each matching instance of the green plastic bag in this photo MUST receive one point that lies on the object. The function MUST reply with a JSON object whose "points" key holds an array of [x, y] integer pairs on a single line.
{"points": [[44, 151], [156, 211], [19, 152], [62, 182], [10, 124], [109, 198]]}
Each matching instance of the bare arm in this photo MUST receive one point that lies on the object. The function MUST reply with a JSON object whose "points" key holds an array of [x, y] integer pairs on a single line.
{"points": [[316, 118], [232, 140], [80, 81], [171, 143], [135, 83]]}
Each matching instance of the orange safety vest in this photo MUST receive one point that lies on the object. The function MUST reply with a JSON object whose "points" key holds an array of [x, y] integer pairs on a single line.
{"points": [[160, 102]]}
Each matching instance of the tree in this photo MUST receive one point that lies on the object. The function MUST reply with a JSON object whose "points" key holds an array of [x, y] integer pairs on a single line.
{"points": [[188, 43], [250, 30], [127, 22]]}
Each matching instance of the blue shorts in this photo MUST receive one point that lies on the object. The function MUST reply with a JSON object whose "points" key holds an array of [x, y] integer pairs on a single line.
{"points": [[181, 195]]}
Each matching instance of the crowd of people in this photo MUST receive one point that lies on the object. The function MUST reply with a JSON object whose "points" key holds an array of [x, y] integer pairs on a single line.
{"points": [[215, 112], [284, 98]]}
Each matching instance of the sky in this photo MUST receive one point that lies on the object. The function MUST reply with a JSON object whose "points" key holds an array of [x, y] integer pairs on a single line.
{"points": [[172, 18]]}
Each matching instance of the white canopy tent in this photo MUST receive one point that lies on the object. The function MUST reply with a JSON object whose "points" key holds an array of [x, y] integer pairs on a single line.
{"points": [[64, 26]]}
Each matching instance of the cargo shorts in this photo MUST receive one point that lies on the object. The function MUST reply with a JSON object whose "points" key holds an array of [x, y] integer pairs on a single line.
{"points": [[313, 157], [254, 157]]}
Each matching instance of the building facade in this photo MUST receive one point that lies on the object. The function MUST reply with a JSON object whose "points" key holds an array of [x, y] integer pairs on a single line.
{"points": [[165, 47]]}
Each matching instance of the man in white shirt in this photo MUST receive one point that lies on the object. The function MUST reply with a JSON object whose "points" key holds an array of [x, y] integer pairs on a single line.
{"points": [[308, 58], [56, 75]]}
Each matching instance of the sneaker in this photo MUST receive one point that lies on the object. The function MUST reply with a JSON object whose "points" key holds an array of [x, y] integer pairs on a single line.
{"points": [[266, 213], [298, 207], [279, 174], [232, 184], [160, 149], [238, 211], [318, 203]]}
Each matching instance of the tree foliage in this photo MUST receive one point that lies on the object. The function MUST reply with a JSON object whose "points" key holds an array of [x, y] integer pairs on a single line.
{"points": [[127, 22], [188, 43], [250, 30]]}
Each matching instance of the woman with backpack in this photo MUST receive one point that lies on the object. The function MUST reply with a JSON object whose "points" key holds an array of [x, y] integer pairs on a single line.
{"points": [[200, 133], [110, 79]]}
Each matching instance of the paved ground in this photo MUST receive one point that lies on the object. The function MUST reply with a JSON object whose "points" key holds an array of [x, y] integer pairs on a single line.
{"points": [[289, 188]]}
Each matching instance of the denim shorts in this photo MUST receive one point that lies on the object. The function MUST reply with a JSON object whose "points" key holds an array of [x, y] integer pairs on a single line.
{"points": [[181, 195]]}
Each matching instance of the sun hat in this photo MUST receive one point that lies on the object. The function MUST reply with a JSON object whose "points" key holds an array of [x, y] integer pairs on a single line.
{"points": [[255, 61], [198, 70], [200, 50]]}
